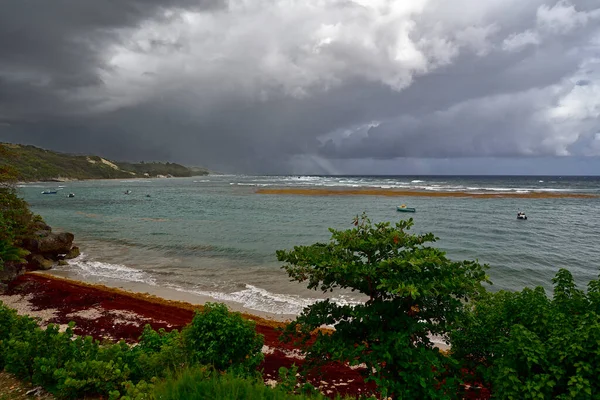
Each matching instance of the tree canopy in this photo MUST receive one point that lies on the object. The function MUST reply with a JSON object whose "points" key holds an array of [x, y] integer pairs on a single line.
{"points": [[411, 292]]}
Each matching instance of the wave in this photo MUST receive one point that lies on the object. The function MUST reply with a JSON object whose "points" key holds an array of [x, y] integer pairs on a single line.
{"points": [[97, 269], [255, 298]]}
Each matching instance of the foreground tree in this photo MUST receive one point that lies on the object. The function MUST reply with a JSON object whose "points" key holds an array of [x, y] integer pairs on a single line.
{"points": [[412, 291]]}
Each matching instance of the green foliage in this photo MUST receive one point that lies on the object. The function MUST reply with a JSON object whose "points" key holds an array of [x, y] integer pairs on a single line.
{"points": [[73, 366], [288, 381], [529, 346], [223, 339], [67, 365], [9, 252], [412, 289], [157, 354], [17, 222], [35, 164], [206, 384]]}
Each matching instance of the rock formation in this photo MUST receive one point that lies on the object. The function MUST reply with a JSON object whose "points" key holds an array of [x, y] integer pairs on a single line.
{"points": [[46, 249]]}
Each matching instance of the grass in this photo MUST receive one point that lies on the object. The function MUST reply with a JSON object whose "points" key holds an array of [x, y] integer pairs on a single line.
{"points": [[201, 384]]}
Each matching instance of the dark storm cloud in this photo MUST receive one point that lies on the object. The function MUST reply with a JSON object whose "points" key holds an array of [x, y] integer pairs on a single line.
{"points": [[48, 48], [283, 86]]}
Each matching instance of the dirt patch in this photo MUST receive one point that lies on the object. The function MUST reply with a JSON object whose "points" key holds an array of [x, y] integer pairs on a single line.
{"points": [[13, 389]]}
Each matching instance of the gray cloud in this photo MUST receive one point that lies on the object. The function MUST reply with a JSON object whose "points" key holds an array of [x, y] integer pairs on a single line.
{"points": [[306, 86]]}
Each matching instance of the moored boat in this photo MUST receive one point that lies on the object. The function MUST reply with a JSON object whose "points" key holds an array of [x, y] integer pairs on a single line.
{"points": [[49, 192], [403, 208]]}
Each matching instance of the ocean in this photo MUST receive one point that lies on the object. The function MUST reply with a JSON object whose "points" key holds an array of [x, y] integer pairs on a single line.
{"points": [[215, 236]]}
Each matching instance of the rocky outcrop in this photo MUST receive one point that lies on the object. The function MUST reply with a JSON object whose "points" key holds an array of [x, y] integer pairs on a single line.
{"points": [[73, 253], [11, 270], [46, 249], [37, 261], [49, 243]]}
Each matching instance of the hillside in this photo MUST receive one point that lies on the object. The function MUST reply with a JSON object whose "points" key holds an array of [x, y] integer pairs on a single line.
{"points": [[35, 164]]}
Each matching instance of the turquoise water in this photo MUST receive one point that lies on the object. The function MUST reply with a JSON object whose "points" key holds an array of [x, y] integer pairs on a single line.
{"points": [[215, 236]]}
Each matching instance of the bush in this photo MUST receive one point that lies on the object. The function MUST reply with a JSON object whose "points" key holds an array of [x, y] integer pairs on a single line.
{"points": [[223, 339], [526, 345], [412, 291], [157, 354], [8, 252], [72, 367], [16, 221]]}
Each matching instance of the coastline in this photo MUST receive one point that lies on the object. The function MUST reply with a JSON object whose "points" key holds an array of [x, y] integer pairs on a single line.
{"points": [[110, 313], [164, 295], [423, 193]]}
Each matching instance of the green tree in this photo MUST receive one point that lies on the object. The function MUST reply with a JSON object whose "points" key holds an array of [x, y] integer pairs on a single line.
{"points": [[412, 291], [525, 345]]}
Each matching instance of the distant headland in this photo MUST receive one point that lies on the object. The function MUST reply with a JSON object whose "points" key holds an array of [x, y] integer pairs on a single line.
{"points": [[35, 164]]}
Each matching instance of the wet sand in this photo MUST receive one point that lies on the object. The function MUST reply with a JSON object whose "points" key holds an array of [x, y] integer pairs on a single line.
{"points": [[421, 193]]}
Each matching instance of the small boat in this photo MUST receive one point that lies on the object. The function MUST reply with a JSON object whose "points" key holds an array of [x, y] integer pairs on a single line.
{"points": [[127, 192], [521, 215], [403, 208], [49, 192], [71, 195]]}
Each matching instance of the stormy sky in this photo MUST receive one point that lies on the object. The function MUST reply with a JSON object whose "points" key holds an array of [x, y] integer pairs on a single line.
{"points": [[308, 86]]}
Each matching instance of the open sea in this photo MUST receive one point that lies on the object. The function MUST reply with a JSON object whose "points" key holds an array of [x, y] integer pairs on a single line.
{"points": [[215, 236]]}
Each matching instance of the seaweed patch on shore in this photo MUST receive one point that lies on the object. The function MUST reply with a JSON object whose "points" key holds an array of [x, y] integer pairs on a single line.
{"points": [[107, 313]]}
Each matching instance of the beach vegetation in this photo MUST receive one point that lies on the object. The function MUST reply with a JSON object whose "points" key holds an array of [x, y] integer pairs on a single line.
{"points": [[223, 339], [527, 345], [202, 383], [412, 291], [72, 366], [17, 222]]}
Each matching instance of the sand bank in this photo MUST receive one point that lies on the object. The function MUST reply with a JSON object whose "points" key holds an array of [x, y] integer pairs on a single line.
{"points": [[422, 193]]}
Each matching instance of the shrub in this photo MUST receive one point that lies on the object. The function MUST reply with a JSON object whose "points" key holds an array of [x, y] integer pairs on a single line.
{"points": [[223, 339], [412, 291], [9, 252], [157, 354], [526, 345]]}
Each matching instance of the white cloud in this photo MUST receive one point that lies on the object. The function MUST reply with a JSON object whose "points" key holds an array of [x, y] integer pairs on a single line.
{"points": [[561, 18], [518, 41]]}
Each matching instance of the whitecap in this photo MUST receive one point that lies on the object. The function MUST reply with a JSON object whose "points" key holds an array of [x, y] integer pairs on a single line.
{"points": [[98, 269], [255, 298]]}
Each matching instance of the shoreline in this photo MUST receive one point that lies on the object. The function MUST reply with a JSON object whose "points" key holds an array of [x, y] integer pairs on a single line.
{"points": [[422, 193], [109, 313], [168, 296]]}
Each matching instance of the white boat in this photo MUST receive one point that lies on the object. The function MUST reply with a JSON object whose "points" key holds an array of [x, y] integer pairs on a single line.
{"points": [[521, 215]]}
